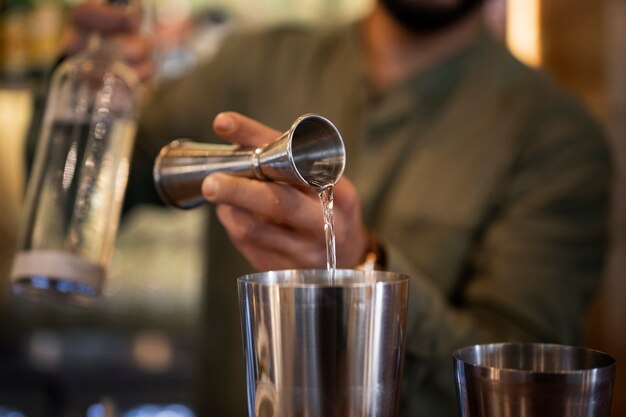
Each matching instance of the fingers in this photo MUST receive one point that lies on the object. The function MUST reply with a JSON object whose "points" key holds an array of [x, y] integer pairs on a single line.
{"points": [[97, 17], [277, 203], [135, 49], [243, 130], [137, 52], [345, 193], [144, 70], [268, 246], [278, 226]]}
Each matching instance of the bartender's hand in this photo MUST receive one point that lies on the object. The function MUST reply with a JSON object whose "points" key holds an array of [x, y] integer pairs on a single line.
{"points": [[279, 226], [91, 16]]}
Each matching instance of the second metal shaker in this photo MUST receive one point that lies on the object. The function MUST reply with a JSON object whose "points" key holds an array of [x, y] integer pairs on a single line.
{"points": [[310, 154]]}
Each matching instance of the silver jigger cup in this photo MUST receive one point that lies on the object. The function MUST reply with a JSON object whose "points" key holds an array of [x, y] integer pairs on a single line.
{"points": [[310, 154], [320, 348], [533, 380]]}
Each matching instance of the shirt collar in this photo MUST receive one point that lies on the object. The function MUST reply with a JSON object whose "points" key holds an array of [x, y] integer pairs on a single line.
{"points": [[428, 90]]}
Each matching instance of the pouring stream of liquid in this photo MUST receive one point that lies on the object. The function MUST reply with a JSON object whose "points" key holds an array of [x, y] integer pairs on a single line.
{"points": [[326, 198]]}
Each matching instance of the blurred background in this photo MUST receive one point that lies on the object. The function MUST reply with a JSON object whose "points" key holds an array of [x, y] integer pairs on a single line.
{"points": [[74, 363]]}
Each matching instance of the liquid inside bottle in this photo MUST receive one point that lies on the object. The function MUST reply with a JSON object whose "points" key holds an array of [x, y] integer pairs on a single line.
{"points": [[76, 189]]}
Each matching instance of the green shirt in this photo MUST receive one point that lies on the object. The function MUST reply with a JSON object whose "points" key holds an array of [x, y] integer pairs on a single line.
{"points": [[488, 186]]}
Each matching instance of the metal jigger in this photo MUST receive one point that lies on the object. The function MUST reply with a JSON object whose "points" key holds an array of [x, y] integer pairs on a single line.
{"points": [[310, 154]]}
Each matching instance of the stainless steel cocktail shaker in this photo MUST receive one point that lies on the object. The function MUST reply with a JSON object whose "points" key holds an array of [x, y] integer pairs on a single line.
{"points": [[310, 154], [533, 380], [321, 343]]}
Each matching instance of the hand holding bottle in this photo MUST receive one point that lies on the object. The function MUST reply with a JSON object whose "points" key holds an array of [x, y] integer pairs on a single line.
{"points": [[108, 20], [74, 196]]}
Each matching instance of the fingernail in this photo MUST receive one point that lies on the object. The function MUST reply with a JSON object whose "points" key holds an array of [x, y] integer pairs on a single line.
{"points": [[209, 187], [224, 123]]}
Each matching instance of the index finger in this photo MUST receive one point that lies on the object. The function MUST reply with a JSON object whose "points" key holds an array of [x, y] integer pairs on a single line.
{"points": [[278, 203], [243, 130], [90, 16]]}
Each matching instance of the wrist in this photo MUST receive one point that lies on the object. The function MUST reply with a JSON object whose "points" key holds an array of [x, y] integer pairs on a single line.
{"points": [[375, 258]]}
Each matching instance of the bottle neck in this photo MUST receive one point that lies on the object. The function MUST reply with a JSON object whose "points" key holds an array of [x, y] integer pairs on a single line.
{"points": [[104, 50], [106, 44], [99, 44]]}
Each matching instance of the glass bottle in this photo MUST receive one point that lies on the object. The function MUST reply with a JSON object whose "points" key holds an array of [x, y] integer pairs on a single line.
{"points": [[75, 193]]}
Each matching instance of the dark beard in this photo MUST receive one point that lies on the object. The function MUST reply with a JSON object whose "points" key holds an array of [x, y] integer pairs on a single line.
{"points": [[428, 18]]}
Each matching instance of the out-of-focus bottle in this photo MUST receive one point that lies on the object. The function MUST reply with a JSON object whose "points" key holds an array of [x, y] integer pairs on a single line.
{"points": [[74, 196]]}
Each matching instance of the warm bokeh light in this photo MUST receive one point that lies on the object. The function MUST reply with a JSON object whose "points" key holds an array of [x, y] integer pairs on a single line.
{"points": [[523, 31], [15, 114]]}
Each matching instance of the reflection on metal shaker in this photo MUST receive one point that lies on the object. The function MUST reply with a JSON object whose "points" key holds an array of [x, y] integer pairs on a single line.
{"points": [[533, 380], [318, 347], [310, 154]]}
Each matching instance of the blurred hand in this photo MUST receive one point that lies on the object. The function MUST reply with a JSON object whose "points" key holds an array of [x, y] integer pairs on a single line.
{"points": [[91, 16], [278, 226]]}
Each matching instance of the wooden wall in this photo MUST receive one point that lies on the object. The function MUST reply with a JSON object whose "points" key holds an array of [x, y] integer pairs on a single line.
{"points": [[584, 46]]}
